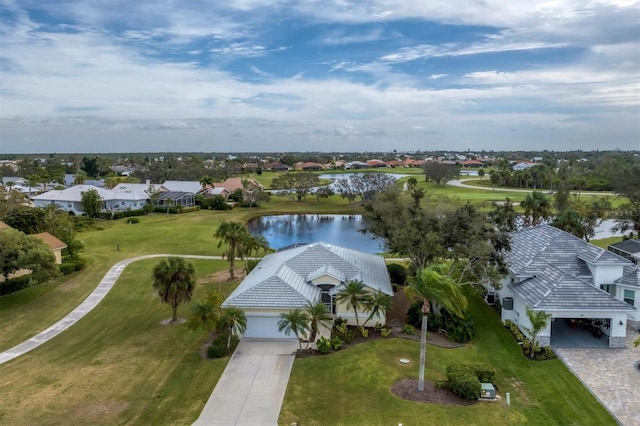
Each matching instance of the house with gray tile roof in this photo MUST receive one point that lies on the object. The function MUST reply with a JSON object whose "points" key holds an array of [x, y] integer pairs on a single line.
{"points": [[122, 197], [576, 282], [629, 249], [294, 277]]}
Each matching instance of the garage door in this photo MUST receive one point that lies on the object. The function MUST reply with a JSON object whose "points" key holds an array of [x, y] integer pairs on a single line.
{"points": [[264, 327]]}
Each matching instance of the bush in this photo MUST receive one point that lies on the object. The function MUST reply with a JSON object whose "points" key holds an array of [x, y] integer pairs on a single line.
{"points": [[336, 343], [384, 331], [15, 284], [67, 268], [484, 372], [188, 209], [218, 348], [324, 345], [414, 314], [344, 332], [408, 329], [465, 385], [397, 273], [133, 220], [364, 332], [80, 264]]}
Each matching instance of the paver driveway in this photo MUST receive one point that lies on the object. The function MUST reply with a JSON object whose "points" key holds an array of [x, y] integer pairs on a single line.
{"points": [[252, 386], [611, 377]]}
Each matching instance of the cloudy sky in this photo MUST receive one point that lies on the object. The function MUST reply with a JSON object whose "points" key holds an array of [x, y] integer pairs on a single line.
{"points": [[318, 75]]}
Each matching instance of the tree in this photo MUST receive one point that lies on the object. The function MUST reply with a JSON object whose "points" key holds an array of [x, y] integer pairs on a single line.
{"points": [[324, 192], [538, 320], [233, 321], [203, 314], [236, 236], [377, 304], [174, 281], [355, 294], [318, 316], [481, 173], [433, 285], [296, 321], [570, 221], [626, 184], [536, 208], [91, 202], [439, 172], [206, 180], [80, 177], [503, 216], [26, 219], [20, 251]]}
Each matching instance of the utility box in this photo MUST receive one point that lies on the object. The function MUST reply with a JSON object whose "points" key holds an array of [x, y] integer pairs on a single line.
{"points": [[487, 391], [507, 303]]}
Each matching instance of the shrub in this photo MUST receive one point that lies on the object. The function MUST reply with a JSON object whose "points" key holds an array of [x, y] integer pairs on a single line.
{"points": [[364, 332], [15, 284], [484, 372], [414, 314], [408, 329], [67, 268], [465, 385], [218, 348], [324, 345], [188, 209], [133, 220], [397, 273], [546, 353], [80, 263], [384, 331], [336, 343], [344, 332], [459, 330], [377, 327]]}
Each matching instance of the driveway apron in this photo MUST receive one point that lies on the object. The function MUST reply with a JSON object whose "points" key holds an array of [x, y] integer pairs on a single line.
{"points": [[251, 389]]}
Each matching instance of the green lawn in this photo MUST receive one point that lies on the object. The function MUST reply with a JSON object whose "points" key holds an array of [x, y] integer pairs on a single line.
{"points": [[118, 365], [351, 387]]}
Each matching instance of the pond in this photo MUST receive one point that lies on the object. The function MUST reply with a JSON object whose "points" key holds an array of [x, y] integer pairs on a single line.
{"points": [[338, 229]]}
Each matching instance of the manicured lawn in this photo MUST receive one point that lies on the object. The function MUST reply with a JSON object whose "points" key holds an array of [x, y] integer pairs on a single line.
{"points": [[351, 387], [118, 365]]}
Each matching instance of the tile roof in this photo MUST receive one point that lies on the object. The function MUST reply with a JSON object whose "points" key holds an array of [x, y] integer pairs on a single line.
{"points": [[554, 289], [51, 241], [630, 246], [631, 277], [280, 280], [182, 186]]}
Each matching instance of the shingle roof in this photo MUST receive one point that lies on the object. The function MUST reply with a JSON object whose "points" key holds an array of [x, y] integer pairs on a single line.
{"points": [[556, 290], [51, 241], [280, 280]]}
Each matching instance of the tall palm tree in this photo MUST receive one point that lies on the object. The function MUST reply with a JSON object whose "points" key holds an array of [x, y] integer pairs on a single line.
{"points": [[377, 304], [257, 243], [536, 207], [236, 236], [433, 285], [174, 281], [296, 321], [355, 294], [232, 321], [317, 316]]}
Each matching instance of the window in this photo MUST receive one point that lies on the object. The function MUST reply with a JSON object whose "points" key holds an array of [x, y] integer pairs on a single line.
{"points": [[606, 287], [629, 297]]}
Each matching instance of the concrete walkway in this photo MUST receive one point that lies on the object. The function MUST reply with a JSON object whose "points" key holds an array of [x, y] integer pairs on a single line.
{"points": [[84, 308], [610, 376], [251, 389], [460, 183]]}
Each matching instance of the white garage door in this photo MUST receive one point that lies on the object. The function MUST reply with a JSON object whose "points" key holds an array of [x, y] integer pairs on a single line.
{"points": [[264, 327]]}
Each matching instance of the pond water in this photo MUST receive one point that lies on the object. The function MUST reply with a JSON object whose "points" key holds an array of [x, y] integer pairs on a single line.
{"points": [[338, 229]]}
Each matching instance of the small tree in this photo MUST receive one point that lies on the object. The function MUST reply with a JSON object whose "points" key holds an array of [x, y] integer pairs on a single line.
{"points": [[355, 294], [296, 321], [317, 316], [538, 320], [236, 237], [174, 281], [377, 304], [232, 321], [91, 202]]}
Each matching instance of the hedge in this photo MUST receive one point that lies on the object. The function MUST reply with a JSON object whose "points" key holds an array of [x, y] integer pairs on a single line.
{"points": [[464, 378], [15, 284]]}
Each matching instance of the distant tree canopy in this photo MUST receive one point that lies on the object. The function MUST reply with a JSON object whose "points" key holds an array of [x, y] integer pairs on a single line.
{"points": [[298, 184], [439, 172]]}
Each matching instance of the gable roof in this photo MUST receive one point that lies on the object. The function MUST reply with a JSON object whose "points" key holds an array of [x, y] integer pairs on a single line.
{"points": [[73, 194], [631, 277], [182, 186], [629, 246], [281, 279]]}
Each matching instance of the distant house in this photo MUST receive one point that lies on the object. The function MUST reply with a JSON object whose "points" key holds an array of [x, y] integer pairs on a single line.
{"points": [[356, 165], [471, 163], [586, 289], [54, 244], [308, 166], [211, 192], [522, 166], [169, 199], [122, 170], [121, 198], [277, 167], [231, 184], [629, 249], [194, 187], [376, 163]]}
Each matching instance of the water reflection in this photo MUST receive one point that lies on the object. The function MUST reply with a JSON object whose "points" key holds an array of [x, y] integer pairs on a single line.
{"points": [[338, 229]]}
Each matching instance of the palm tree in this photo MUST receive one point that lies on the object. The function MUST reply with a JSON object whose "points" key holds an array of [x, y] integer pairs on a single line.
{"points": [[536, 207], [296, 321], [203, 314], [236, 236], [355, 294], [317, 316], [232, 321], [174, 281], [538, 320], [377, 304], [257, 243], [205, 181], [433, 285]]}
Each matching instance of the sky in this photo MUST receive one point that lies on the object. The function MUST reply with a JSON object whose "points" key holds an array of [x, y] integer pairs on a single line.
{"points": [[318, 75]]}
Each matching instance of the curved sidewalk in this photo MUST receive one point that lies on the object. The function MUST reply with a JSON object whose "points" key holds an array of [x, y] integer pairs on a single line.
{"points": [[85, 307]]}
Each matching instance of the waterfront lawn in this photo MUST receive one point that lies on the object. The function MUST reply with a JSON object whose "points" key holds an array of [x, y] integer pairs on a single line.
{"points": [[351, 387], [118, 365]]}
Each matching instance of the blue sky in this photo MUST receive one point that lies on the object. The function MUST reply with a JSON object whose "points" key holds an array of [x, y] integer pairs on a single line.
{"points": [[330, 75]]}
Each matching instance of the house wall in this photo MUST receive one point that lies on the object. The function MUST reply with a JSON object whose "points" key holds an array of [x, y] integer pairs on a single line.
{"points": [[605, 274]]}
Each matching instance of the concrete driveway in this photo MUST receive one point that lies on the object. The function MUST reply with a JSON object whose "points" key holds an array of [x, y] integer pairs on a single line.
{"points": [[252, 386]]}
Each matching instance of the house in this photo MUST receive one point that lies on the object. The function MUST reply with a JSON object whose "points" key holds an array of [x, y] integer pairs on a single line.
{"points": [[580, 285], [211, 192], [54, 244], [376, 163], [194, 187], [231, 184], [122, 197], [471, 163], [629, 249], [293, 277], [522, 166], [308, 166]]}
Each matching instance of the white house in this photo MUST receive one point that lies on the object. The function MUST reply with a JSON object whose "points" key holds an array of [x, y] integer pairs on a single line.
{"points": [[122, 197], [579, 284], [291, 278]]}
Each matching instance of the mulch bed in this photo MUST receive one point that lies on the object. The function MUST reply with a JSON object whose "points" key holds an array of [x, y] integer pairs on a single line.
{"points": [[408, 389]]}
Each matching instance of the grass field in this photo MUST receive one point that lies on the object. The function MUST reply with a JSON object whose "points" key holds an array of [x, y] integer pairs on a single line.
{"points": [[351, 387]]}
